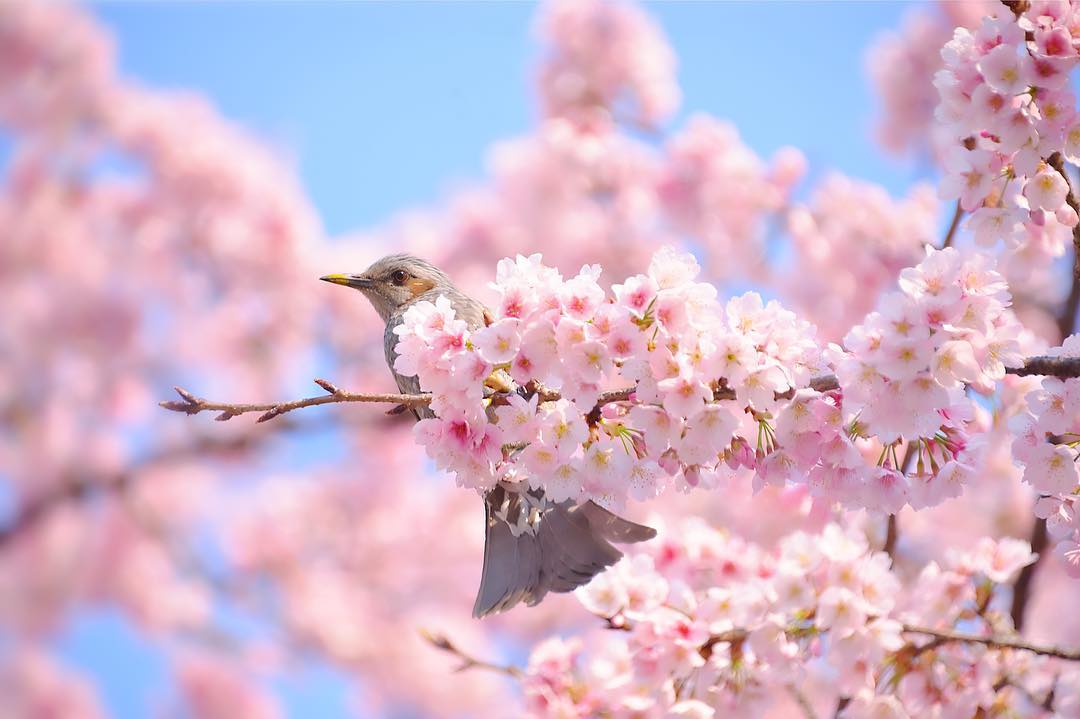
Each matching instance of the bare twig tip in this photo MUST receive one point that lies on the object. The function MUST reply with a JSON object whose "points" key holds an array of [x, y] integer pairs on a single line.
{"points": [[437, 640], [327, 385], [188, 396], [270, 414]]}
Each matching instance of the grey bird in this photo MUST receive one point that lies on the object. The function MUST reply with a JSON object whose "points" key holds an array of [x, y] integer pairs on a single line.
{"points": [[532, 546]]}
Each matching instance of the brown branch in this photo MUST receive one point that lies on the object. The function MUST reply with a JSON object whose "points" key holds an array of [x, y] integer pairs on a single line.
{"points": [[1025, 581], [79, 488], [1017, 6], [442, 643], [1067, 319], [191, 404], [803, 702], [892, 525], [1064, 367], [892, 535], [83, 487], [731, 636], [1066, 322], [1055, 161], [950, 234], [945, 636]]}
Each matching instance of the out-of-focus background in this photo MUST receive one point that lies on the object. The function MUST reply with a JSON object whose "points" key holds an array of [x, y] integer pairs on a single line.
{"points": [[176, 176], [381, 107]]}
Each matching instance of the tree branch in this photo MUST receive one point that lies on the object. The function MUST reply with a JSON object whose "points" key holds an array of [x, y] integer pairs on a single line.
{"points": [[442, 643], [803, 702], [77, 487], [950, 234], [1066, 322], [1025, 581], [945, 636], [192, 404], [1063, 367], [892, 524], [1055, 161]]}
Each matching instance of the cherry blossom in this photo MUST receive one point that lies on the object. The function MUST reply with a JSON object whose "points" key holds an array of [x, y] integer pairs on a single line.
{"points": [[765, 432], [1048, 447], [818, 616], [1006, 112]]}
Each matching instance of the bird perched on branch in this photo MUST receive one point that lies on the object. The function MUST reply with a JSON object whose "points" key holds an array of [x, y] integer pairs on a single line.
{"points": [[569, 543]]}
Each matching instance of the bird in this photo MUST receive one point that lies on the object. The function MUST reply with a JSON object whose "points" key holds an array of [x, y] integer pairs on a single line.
{"points": [[532, 545]]}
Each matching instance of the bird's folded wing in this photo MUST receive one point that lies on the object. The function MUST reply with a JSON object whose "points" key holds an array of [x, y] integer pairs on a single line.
{"points": [[612, 527], [571, 545]]}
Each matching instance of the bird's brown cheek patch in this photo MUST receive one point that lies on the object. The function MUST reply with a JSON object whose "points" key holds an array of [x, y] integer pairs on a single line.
{"points": [[418, 286]]}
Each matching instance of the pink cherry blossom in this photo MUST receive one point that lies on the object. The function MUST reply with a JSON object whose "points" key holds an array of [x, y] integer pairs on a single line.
{"points": [[499, 342]]}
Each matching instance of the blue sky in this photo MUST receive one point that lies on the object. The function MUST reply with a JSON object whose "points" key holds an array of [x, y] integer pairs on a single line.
{"points": [[383, 107]]}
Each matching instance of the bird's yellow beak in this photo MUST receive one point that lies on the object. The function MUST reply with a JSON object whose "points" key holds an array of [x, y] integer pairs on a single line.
{"points": [[355, 281]]}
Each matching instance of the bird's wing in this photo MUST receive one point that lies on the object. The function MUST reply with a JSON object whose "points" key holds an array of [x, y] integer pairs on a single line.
{"points": [[612, 527], [571, 545], [500, 581]]}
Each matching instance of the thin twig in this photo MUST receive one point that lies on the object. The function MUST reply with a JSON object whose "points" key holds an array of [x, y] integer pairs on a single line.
{"points": [[892, 535], [1055, 161], [82, 488], [41, 504], [441, 642], [190, 404], [1066, 322], [804, 703], [1067, 318], [950, 234], [1025, 581], [892, 525], [943, 636]]}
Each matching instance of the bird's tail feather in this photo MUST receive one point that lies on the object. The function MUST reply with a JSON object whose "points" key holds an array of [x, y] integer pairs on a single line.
{"points": [[570, 545]]}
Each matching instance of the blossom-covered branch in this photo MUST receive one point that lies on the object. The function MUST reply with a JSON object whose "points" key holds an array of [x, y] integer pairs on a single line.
{"points": [[1063, 367], [715, 387], [709, 622]]}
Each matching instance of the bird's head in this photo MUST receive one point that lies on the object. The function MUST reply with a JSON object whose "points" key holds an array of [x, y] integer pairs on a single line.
{"points": [[394, 281]]}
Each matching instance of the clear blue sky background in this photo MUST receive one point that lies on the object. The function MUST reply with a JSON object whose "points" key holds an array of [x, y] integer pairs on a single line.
{"points": [[389, 106]]}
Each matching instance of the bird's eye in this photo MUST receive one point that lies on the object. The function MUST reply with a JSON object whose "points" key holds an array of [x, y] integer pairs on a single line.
{"points": [[399, 277]]}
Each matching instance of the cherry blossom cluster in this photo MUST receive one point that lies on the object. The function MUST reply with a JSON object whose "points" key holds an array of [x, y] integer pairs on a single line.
{"points": [[901, 65], [719, 192], [948, 327], [34, 685], [1047, 443], [598, 195], [850, 242], [1008, 107], [714, 388], [605, 58], [709, 625], [192, 260], [662, 332]]}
